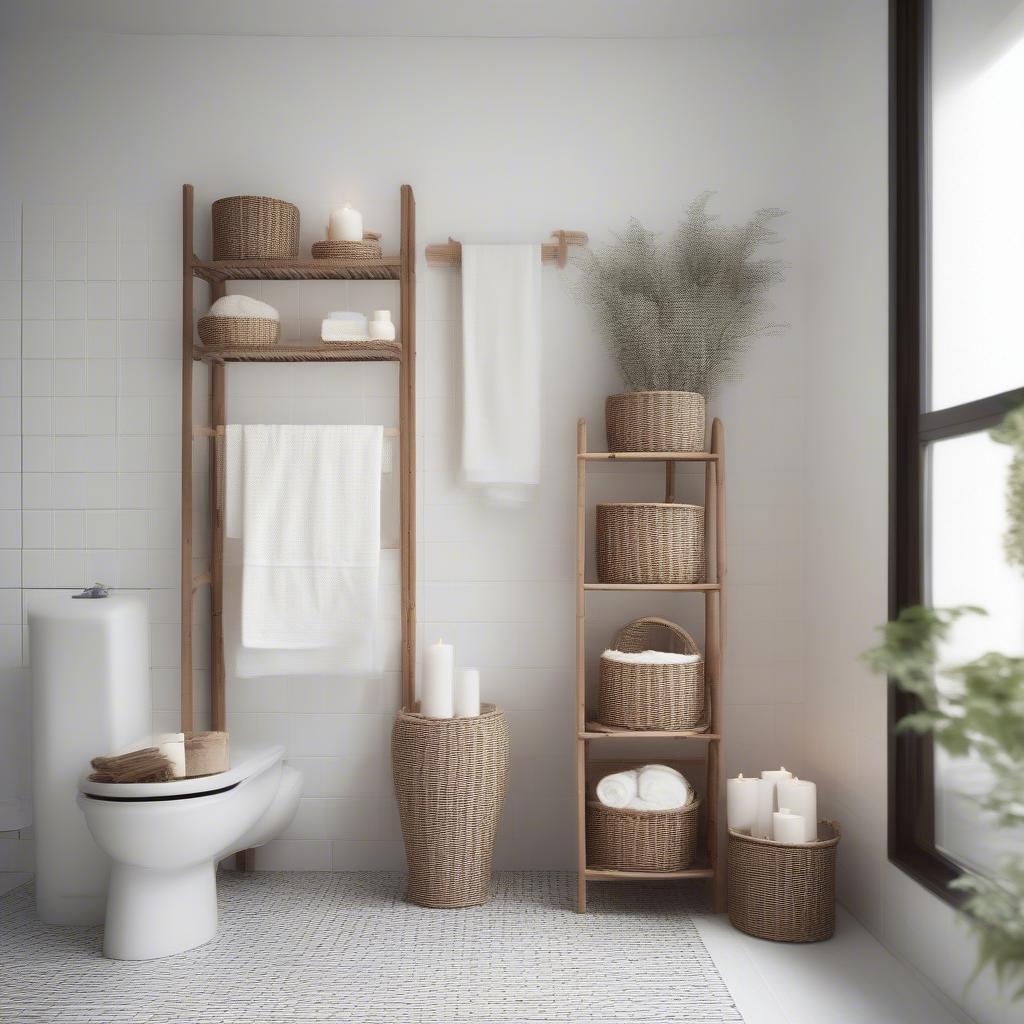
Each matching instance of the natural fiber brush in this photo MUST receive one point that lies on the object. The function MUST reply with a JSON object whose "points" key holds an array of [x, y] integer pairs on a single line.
{"points": [[146, 765]]}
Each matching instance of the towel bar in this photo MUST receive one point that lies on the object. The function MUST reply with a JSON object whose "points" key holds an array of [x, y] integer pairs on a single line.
{"points": [[200, 431], [450, 253]]}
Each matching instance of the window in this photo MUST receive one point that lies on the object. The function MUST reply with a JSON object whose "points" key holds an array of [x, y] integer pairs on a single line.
{"points": [[957, 210]]}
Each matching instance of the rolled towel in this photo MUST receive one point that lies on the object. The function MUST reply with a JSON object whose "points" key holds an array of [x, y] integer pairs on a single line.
{"points": [[663, 787], [650, 657], [639, 804], [243, 305], [617, 789]]}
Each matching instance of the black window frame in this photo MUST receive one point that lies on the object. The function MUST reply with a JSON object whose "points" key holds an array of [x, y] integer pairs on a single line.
{"points": [[911, 812]]}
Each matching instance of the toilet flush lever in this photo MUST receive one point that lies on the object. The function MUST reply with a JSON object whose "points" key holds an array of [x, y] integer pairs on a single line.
{"points": [[96, 590]]}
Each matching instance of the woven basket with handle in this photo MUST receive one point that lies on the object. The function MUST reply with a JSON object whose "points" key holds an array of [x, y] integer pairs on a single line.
{"points": [[784, 892], [216, 332], [451, 776], [637, 695], [255, 228], [650, 542], [655, 421], [642, 840]]}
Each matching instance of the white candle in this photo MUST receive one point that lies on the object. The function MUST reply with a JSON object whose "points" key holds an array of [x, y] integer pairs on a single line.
{"points": [[801, 797], [741, 804], [172, 746], [382, 315], [777, 775], [436, 695], [467, 693], [346, 225], [787, 827], [765, 809]]}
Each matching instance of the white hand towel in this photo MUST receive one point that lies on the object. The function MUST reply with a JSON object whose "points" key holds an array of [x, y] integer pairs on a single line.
{"points": [[618, 789], [243, 305], [501, 369], [343, 330], [650, 657], [310, 533], [662, 787]]}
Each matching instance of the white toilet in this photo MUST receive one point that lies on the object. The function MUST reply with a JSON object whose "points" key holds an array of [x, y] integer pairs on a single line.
{"points": [[164, 840]]}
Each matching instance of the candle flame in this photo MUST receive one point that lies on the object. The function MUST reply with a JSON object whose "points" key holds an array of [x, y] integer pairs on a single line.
{"points": [[740, 776]]}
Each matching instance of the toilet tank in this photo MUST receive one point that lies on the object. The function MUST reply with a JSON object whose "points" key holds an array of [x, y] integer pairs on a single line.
{"points": [[89, 665]]}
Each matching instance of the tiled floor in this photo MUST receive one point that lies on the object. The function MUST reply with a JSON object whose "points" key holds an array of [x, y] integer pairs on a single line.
{"points": [[849, 980]]}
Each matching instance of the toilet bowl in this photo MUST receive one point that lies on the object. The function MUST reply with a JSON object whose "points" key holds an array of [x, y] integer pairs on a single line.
{"points": [[164, 840]]}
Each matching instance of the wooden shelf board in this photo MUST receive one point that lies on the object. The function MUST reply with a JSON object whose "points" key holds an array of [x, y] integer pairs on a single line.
{"points": [[691, 587], [597, 731], [613, 875], [648, 456], [336, 352], [386, 269]]}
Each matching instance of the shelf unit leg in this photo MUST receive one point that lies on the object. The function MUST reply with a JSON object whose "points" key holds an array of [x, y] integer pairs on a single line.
{"points": [[186, 458], [579, 719], [581, 827]]}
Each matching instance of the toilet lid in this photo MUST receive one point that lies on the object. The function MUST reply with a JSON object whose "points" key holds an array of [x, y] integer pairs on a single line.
{"points": [[244, 763]]}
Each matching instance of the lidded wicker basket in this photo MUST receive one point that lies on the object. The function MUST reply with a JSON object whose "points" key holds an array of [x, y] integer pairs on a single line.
{"points": [[783, 892], [655, 421], [217, 332], [638, 695], [451, 776], [642, 840], [650, 542], [255, 228]]}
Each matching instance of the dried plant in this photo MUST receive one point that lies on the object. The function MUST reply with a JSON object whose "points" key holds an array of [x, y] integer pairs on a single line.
{"points": [[679, 318]]}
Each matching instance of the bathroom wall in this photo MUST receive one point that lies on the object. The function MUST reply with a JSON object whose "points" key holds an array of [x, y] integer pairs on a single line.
{"points": [[503, 140]]}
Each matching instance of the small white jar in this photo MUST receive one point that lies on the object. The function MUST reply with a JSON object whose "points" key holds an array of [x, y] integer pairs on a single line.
{"points": [[381, 327]]}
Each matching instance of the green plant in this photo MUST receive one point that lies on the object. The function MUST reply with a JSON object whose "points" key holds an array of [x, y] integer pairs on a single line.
{"points": [[679, 318], [977, 711]]}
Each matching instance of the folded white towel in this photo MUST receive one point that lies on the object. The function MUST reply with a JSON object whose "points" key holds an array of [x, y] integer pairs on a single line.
{"points": [[662, 787], [243, 305], [343, 330], [651, 657], [310, 527], [617, 789], [501, 369]]}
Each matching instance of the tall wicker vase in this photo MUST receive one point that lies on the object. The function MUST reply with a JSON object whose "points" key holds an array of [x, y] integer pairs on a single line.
{"points": [[451, 776], [655, 421]]}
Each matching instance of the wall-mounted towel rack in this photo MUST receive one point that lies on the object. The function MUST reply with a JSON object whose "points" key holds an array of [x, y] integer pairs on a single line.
{"points": [[450, 253]]}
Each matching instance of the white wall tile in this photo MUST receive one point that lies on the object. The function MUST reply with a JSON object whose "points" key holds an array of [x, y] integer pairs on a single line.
{"points": [[37, 260], [69, 339], [69, 261], [37, 339], [101, 300], [69, 223], [10, 339]]}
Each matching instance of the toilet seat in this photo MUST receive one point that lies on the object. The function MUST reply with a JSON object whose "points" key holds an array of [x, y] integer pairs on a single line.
{"points": [[244, 764]]}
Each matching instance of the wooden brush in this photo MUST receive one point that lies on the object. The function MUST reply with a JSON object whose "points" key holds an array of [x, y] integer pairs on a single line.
{"points": [[146, 765]]}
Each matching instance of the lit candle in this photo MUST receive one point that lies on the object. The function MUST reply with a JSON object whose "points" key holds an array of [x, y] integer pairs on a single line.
{"points": [[787, 827], [801, 797], [467, 693], [741, 804], [346, 225], [436, 696]]}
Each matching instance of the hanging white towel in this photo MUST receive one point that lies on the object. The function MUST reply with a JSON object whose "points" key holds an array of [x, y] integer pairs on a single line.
{"points": [[310, 530], [501, 368]]}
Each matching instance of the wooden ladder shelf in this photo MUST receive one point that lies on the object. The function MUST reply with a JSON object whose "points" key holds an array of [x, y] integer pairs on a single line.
{"points": [[709, 864]]}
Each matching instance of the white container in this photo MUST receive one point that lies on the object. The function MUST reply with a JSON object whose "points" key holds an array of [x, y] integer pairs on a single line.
{"points": [[89, 662]]}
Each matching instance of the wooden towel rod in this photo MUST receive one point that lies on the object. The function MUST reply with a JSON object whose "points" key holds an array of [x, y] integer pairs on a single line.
{"points": [[199, 431], [450, 253]]}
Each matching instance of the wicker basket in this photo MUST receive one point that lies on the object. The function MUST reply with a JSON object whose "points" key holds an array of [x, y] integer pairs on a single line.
{"points": [[368, 249], [782, 892], [655, 421], [451, 776], [650, 542], [634, 695], [255, 228], [642, 840], [217, 332]]}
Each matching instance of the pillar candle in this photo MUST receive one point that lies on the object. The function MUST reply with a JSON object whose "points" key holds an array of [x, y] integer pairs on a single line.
{"points": [[801, 797], [467, 693], [437, 693], [765, 809], [787, 827], [346, 225], [741, 804]]}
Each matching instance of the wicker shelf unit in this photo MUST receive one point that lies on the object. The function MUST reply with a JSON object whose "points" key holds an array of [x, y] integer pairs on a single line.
{"points": [[710, 861]]}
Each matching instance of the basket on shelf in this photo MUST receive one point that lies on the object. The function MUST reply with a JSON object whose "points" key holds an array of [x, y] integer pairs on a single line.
{"points": [[221, 332], [642, 840], [255, 228], [645, 542], [655, 421], [782, 892], [368, 249], [639, 695], [450, 775]]}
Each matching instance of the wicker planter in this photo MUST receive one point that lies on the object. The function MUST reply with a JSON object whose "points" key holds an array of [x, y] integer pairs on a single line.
{"points": [[633, 695], [217, 332], [642, 840], [650, 542], [655, 421], [255, 228], [451, 776], [781, 892]]}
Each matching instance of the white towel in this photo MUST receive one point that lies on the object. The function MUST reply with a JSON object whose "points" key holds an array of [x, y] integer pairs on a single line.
{"points": [[662, 788], [650, 657], [617, 789], [343, 330], [243, 305], [310, 526], [501, 369]]}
